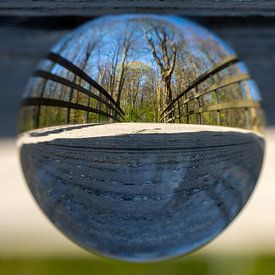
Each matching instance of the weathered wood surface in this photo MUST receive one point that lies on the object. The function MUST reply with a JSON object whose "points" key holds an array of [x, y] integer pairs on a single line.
{"points": [[128, 187], [25, 40], [19, 230], [95, 7]]}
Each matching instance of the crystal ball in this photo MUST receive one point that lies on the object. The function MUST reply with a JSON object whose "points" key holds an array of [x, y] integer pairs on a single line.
{"points": [[141, 136]]}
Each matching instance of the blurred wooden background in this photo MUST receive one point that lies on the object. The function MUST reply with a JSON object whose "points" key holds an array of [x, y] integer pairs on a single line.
{"points": [[99, 7]]}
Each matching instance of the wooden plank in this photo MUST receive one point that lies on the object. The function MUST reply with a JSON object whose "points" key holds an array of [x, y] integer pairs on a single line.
{"points": [[237, 104], [95, 7], [230, 105], [77, 71], [70, 84], [222, 84], [36, 101], [226, 82]]}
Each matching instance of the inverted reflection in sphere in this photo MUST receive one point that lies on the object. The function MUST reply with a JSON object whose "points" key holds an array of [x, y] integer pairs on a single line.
{"points": [[140, 136]]}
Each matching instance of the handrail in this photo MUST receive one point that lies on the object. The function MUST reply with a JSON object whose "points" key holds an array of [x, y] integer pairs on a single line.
{"points": [[73, 68], [37, 101], [215, 69], [222, 106], [66, 82], [222, 84]]}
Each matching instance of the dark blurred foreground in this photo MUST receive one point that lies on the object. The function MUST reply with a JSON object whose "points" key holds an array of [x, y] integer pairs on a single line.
{"points": [[262, 265]]}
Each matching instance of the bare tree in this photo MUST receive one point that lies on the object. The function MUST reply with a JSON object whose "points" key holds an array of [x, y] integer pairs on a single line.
{"points": [[164, 51], [109, 68], [92, 44], [126, 45]]}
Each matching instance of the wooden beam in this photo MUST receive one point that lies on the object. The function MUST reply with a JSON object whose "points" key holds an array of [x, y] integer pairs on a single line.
{"points": [[246, 103], [65, 82], [96, 7], [36, 101], [222, 84]]}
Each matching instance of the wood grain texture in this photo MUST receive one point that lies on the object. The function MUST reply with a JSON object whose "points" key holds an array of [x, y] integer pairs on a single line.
{"points": [[122, 188], [26, 40], [95, 7]]}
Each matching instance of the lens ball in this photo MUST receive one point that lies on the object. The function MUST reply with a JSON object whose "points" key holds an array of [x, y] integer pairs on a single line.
{"points": [[141, 136]]}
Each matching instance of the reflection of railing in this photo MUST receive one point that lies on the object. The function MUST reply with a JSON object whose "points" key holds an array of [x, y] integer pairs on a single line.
{"points": [[108, 107], [178, 108], [35, 101]]}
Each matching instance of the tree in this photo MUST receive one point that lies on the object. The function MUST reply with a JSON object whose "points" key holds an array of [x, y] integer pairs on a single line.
{"points": [[91, 44], [164, 51], [138, 96], [125, 46]]}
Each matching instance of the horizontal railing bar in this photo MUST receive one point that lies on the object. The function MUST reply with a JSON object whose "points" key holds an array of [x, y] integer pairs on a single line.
{"points": [[66, 82], [231, 105], [219, 107], [38, 101], [73, 68], [222, 84], [228, 81], [171, 119], [215, 69], [170, 111]]}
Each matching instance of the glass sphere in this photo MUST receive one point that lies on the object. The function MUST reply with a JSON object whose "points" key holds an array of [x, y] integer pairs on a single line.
{"points": [[141, 136]]}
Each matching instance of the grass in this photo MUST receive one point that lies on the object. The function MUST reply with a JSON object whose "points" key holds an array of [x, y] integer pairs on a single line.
{"points": [[261, 265]]}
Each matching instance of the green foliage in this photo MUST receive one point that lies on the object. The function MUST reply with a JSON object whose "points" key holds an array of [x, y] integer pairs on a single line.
{"points": [[198, 265], [98, 267], [210, 118]]}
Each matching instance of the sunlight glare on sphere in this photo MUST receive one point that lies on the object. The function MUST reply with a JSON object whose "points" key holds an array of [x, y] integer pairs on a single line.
{"points": [[140, 136]]}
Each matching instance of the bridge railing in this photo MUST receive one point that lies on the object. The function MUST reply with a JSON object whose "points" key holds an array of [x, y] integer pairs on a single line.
{"points": [[105, 108], [179, 109]]}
